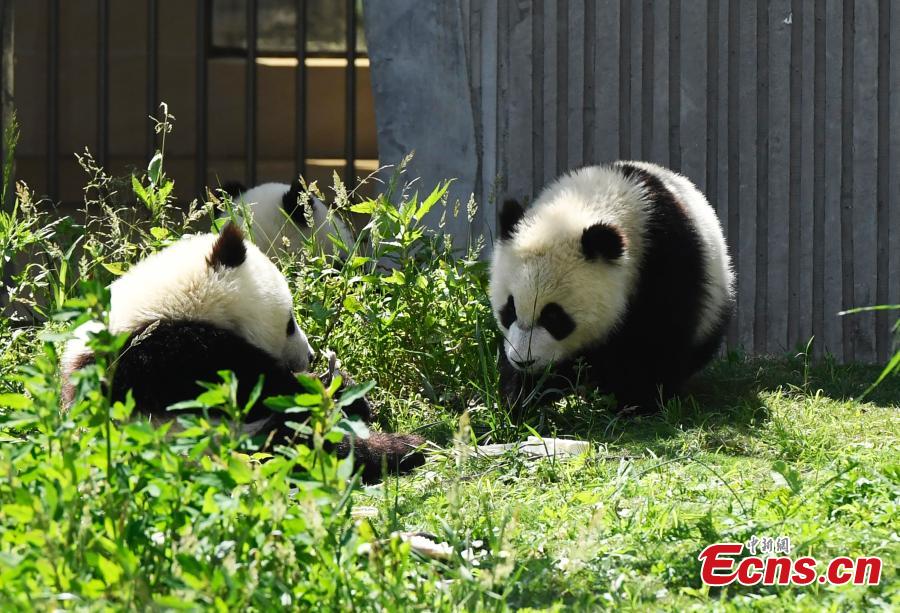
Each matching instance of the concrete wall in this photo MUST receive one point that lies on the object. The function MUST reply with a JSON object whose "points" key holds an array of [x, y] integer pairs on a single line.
{"points": [[423, 99], [786, 112]]}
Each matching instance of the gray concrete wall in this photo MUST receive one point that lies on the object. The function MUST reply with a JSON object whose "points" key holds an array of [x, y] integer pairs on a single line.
{"points": [[786, 112], [423, 100]]}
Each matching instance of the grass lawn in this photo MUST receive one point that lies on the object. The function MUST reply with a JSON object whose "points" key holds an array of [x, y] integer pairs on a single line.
{"points": [[98, 511], [764, 448]]}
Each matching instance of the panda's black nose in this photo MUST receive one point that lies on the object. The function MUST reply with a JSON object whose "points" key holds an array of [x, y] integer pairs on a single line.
{"points": [[310, 356], [523, 363]]}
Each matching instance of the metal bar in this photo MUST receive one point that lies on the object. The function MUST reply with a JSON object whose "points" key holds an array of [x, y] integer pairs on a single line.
{"points": [[350, 112], [300, 92], [203, 28], [53, 100], [152, 70], [250, 93], [7, 97], [103, 83]]}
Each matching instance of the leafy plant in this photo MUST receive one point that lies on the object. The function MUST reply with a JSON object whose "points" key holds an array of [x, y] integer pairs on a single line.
{"points": [[893, 365]]}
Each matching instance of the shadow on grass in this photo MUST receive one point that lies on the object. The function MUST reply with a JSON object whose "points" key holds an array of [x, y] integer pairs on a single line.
{"points": [[728, 399]]}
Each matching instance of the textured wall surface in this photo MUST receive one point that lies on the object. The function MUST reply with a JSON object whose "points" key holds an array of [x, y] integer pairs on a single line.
{"points": [[785, 112], [422, 96]]}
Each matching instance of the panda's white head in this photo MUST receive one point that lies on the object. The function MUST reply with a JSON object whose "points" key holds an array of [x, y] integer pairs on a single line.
{"points": [[219, 279], [561, 272]]}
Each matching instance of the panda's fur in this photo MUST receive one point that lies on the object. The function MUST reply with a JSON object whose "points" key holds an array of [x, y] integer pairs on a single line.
{"points": [[618, 277], [209, 303], [281, 222]]}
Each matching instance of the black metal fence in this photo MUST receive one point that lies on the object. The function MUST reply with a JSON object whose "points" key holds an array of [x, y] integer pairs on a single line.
{"points": [[207, 49]]}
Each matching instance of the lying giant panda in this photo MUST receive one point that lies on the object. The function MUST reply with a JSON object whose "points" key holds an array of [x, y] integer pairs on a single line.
{"points": [[209, 303], [622, 268], [277, 216]]}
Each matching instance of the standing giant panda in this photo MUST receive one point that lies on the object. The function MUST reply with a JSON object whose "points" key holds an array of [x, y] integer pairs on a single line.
{"points": [[618, 277], [277, 216], [209, 303]]}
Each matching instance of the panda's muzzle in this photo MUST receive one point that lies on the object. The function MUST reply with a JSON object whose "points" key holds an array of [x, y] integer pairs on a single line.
{"points": [[524, 364]]}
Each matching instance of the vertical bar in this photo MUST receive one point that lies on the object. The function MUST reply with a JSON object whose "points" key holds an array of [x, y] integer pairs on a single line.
{"points": [[300, 91], [503, 98], [537, 94], [882, 292], [712, 105], [204, 20], [103, 83], [796, 173], [863, 211], [576, 100], [350, 109], [53, 100], [625, 80], [590, 45], [847, 324], [607, 80], [832, 61], [152, 70], [818, 242], [7, 96], [734, 159], [250, 93], [7, 83], [675, 86], [562, 86], [648, 45], [761, 291]]}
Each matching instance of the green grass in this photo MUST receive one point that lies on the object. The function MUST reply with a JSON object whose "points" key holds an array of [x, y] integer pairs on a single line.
{"points": [[622, 527], [98, 511]]}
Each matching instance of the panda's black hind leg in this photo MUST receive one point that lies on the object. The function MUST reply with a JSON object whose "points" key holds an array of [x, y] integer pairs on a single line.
{"points": [[382, 452]]}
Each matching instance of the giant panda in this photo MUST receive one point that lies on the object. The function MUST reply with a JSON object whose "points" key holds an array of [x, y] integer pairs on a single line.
{"points": [[279, 221], [209, 303], [617, 277]]}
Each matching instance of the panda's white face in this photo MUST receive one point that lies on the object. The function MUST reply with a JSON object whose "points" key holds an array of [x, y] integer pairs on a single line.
{"points": [[220, 279], [561, 273], [551, 305]]}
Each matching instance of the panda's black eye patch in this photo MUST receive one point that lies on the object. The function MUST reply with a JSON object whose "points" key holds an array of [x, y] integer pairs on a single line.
{"points": [[508, 312], [291, 327], [556, 321]]}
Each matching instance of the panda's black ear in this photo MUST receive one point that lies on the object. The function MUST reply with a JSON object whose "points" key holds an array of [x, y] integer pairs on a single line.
{"points": [[290, 206], [233, 188], [229, 249], [510, 214], [601, 240]]}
